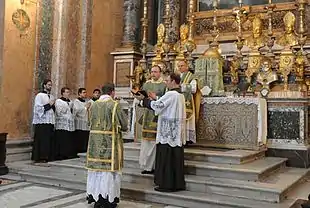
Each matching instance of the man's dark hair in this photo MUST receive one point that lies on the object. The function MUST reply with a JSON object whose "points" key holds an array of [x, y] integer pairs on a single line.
{"points": [[80, 90], [107, 89], [157, 67], [45, 82], [64, 90], [175, 77], [96, 90]]}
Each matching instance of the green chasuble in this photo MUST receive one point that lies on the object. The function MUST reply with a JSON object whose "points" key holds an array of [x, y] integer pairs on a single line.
{"points": [[105, 146], [189, 101], [149, 123]]}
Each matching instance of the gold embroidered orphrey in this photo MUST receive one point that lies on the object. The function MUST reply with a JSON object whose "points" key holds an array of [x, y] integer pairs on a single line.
{"points": [[21, 20]]}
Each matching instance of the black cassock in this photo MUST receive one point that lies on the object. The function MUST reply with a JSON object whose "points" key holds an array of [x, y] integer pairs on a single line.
{"points": [[169, 163]]}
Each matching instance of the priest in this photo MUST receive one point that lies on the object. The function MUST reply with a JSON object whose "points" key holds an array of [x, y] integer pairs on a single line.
{"points": [[189, 89], [105, 150], [43, 121], [170, 139], [157, 86]]}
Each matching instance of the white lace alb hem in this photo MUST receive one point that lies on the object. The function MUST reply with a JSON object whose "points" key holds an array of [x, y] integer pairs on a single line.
{"points": [[104, 183]]}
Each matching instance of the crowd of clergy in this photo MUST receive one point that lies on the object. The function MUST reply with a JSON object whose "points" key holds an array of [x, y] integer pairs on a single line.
{"points": [[61, 126], [64, 127]]}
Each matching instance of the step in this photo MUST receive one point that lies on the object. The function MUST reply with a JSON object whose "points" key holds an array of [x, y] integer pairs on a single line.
{"points": [[194, 199], [225, 156], [62, 177], [207, 154], [274, 188], [254, 171]]}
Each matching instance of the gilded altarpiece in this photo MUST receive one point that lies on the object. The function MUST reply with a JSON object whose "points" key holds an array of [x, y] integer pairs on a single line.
{"points": [[226, 21]]}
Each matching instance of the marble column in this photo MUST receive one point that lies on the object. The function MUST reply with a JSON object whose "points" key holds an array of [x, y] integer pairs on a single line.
{"points": [[58, 72], [174, 14], [174, 18], [132, 24], [2, 10], [86, 23], [44, 42]]}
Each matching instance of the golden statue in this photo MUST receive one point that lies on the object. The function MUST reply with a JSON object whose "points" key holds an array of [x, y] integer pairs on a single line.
{"points": [[289, 38], [160, 40], [266, 75], [180, 46], [257, 40]]}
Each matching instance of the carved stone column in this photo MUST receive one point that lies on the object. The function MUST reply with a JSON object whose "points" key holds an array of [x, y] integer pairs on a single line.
{"points": [[131, 35]]}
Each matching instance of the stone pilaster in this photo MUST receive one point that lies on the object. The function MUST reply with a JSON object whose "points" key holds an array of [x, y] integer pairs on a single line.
{"points": [[131, 34]]}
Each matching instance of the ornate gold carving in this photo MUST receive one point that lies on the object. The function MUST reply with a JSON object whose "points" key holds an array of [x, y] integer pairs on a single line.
{"points": [[254, 64], [285, 66], [21, 19], [289, 38], [227, 25], [266, 76], [299, 69], [138, 77], [234, 67]]}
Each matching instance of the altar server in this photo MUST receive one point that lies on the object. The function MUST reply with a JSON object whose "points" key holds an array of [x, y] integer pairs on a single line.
{"points": [[80, 113], [44, 121], [189, 88], [149, 123], [105, 150], [169, 169], [64, 127]]}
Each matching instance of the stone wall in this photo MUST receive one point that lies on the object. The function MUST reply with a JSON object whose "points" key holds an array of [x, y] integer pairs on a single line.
{"points": [[106, 35], [68, 41], [18, 57]]}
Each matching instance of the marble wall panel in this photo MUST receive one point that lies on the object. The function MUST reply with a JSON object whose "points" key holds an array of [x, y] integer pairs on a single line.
{"points": [[44, 43], [106, 35], [73, 44], [17, 72]]}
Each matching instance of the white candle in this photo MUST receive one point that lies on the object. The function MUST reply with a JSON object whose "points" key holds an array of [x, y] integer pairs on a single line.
{"points": [[240, 1]]}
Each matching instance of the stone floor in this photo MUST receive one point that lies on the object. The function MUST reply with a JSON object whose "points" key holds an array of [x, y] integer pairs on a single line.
{"points": [[14, 194]]}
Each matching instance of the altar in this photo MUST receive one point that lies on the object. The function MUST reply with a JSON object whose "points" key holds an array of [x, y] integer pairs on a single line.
{"points": [[233, 122]]}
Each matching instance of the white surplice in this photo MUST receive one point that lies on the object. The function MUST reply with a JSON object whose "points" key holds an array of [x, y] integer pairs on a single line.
{"points": [[64, 117], [170, 109], [80, 114], [40, 115]]}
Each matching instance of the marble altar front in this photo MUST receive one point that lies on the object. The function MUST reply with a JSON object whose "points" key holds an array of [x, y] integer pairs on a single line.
{"points": [[236, 122], [288, 130]]}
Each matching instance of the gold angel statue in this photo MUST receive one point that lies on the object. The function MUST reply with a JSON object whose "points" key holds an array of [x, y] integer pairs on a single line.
{"points": [[257, 39], [289, 38], [180, 46]]}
